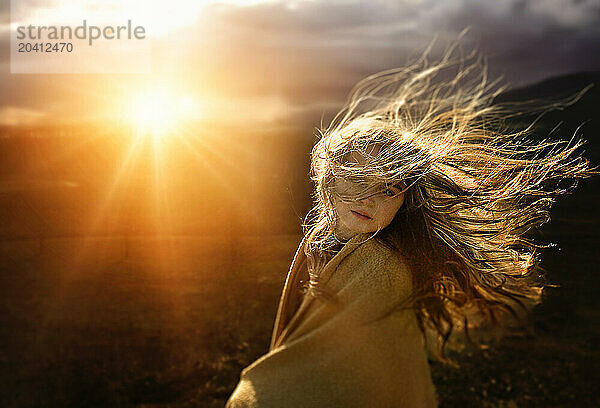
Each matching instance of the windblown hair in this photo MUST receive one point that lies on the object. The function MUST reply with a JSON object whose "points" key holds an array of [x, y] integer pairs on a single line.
{"points": [[473, 188]]}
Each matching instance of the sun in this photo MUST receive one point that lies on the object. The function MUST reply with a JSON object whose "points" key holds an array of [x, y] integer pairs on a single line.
{"points": [[158, 112], [152, 113]]}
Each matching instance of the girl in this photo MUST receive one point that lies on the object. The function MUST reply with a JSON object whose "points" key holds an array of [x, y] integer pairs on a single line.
{"points": [[423, 202]]}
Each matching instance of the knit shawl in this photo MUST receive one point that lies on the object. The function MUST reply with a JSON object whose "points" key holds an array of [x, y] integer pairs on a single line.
{"points": [[349, 352]]}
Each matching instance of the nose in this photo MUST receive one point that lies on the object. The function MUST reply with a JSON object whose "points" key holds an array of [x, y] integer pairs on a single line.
{"points": [[367, 201]]}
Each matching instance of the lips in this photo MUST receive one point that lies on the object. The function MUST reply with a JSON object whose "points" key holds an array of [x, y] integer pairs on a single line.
{"points": [[361, 214]]}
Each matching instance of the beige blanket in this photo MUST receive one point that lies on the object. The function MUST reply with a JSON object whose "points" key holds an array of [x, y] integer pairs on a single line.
{"points": [[343, 354]]}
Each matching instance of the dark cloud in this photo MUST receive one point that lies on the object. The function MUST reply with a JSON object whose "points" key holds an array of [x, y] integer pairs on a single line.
{"points": [[319, 16], [320, 49], [527, 40], [527, 44]]}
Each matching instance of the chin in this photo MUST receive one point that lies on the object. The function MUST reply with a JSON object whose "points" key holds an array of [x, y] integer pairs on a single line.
{"points": [[366, 230]]}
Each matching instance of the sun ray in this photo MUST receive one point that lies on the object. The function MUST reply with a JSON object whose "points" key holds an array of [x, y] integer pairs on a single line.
{"points": [[225, 183], [100, 211]]}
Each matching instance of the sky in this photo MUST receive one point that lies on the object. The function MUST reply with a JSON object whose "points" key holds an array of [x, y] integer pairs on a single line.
{"points": [[262, 63]]}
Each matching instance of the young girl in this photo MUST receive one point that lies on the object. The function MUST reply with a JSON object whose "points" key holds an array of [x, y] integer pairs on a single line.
{"points": [[423, 203]]}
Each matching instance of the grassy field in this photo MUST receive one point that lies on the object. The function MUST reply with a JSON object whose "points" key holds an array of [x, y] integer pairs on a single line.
{"points": [[171, 321], [142, 322]]}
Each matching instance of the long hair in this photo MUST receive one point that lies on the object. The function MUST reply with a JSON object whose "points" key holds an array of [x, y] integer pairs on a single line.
{"points": [[474, 188]]}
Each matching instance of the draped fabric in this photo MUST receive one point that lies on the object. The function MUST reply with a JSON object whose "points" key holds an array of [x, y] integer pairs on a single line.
{"points": [[349, 352]]}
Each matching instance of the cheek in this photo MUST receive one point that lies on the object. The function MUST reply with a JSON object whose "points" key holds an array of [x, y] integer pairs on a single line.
{"points": [[341, 208], [387, 217], [388, 211]]}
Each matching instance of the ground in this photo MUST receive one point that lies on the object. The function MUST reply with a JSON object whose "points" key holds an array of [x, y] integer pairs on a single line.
{"points": [[171, 321]]}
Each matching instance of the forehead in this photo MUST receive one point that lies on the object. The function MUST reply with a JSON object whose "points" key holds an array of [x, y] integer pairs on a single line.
{"points": [[363, 156]]}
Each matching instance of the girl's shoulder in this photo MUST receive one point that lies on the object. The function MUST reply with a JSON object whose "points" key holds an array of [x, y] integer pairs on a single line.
{"points": [[375, 265], [372, 281], [374, 254]]}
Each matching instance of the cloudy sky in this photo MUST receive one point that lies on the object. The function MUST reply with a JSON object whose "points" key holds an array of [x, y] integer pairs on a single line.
{"points": [[272, 61]]}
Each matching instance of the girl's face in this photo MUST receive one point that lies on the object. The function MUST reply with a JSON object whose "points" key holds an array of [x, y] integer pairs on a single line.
{"points": [[366, 215]]}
